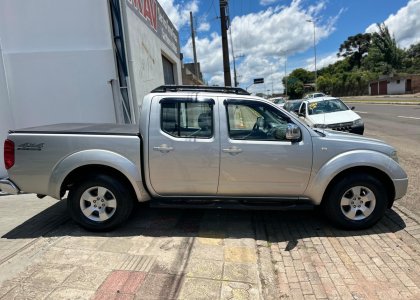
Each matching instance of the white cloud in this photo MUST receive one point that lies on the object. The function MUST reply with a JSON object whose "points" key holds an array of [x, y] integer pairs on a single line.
{"points": [[204, 26], [277, 30], [209, 53], [322, 62], [404, 25], [263, 39], [267, 2], [179, 14]]}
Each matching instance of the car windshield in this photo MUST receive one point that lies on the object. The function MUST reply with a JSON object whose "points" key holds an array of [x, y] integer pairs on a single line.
{"points": [[292, 105], [314, 95], [326, 106], [278, 101]]}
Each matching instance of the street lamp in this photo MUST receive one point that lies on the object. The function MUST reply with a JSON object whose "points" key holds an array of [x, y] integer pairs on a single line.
{"points": [[313, 22]]}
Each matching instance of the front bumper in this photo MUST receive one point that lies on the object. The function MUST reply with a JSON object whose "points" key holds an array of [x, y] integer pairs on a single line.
{"points": [[347, 127], [7, 186], [358, 129], [400, 187]]}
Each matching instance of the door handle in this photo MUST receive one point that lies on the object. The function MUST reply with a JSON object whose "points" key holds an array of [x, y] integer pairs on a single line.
{"points": [[232, 150], [163, 148]]}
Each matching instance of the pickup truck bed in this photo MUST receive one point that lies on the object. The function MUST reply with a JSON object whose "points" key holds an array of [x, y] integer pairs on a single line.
{"points": [[82, 128]]}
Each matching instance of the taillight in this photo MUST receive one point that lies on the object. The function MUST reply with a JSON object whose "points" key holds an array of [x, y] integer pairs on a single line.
{"points": [[9, 154]]}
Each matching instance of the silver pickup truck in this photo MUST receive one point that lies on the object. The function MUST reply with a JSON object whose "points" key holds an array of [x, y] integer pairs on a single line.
{"points": [[204, 147]]}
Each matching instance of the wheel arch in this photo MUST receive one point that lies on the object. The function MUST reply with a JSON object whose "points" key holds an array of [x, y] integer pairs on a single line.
{"points": [[382, 176], [86, 171], [373, 162], [88, 162]]}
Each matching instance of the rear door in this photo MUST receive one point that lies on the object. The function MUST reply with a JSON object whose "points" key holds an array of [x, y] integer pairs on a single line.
{"points": [[256, 158], [184, 147]]}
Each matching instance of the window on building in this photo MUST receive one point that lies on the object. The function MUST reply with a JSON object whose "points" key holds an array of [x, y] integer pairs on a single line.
{"points": [[186, 118], [168, 71]]}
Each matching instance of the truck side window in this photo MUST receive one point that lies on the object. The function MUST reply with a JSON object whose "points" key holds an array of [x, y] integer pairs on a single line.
{"points": [[248, 120], [187, 119]]}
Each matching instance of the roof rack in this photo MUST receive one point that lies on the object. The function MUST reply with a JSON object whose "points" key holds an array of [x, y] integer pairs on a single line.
{"points": [[200, 88]]}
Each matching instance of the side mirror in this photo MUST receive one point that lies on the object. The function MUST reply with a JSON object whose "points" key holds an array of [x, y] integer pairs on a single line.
{"points": [[352, 108], [301, 114], [293, 132]]}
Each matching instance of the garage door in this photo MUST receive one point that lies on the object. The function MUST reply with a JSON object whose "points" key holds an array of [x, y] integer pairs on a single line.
{"points": [[383, 90], [168, 71]]}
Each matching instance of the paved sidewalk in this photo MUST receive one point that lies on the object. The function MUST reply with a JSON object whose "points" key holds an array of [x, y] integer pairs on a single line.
{"points": [[204, 254]]}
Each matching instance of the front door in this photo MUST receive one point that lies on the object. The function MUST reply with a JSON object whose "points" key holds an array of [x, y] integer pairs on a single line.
{"points": [[184, 147], [256, 158]]}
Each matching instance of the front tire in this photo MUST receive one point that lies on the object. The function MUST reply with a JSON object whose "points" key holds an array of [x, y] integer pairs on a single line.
{"points": [[357, 201], [100, 203]]}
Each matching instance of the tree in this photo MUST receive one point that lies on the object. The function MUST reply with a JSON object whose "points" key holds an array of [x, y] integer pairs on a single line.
{"points": [[295, 87], [414, 51], [355, 47], [325, 84], [411, 60], [296, 82], [303, 75], [384, 54]]}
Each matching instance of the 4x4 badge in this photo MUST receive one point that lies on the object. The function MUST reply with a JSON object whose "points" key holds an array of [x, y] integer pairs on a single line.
{"points": [[29, 146]]}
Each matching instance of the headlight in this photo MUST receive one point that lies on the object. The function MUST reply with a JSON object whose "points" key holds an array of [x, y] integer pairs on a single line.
{"points": [[320, 126], [394, 156], [358, 122]]}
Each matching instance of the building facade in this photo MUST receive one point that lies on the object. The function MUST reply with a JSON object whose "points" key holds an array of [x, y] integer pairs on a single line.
{"points": [[82, 61], [395, 85]]}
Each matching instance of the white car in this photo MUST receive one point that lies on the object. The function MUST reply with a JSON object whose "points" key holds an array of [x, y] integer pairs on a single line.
{"points": [[315, 95], [280, 101], [330, 113]]}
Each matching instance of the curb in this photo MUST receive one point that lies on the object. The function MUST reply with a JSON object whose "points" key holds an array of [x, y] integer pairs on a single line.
{"points": [[382, 102]]}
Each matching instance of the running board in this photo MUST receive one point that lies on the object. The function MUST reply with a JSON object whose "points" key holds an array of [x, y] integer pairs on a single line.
{"points": [[233, 204]]}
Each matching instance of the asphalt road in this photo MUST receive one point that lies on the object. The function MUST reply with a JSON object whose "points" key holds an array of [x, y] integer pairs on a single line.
{"points": [[398, 125]]}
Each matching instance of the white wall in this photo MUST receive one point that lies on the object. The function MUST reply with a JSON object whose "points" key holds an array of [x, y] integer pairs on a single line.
{"points": [[395, 88], [146, 49], [57, 61], [6, 120]]}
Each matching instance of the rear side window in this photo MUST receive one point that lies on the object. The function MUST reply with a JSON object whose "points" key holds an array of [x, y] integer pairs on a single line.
{"points": [[187, 119]]}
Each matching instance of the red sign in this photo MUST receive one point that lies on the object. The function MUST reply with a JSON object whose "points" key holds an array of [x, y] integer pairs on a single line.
{"points": [[148, 9]]}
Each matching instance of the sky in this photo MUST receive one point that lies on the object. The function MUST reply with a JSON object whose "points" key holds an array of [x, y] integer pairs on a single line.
{"points": [[271, 38]]}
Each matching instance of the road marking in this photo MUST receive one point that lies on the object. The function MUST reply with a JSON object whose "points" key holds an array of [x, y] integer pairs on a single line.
{"points": [[408, 117], [361, 112]]}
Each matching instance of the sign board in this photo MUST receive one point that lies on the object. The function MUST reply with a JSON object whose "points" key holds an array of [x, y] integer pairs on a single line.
{"points": [[258, 80], [153, 15]]}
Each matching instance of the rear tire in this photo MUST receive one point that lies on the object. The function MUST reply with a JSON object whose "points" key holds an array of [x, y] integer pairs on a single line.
{"points": [[100, 203], [357, 201]]}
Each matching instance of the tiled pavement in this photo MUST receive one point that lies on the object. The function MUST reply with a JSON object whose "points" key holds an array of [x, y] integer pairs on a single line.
{"points": [[205, 254]]}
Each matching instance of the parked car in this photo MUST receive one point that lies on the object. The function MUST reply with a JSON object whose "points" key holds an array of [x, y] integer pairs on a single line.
{"points": [[292, 106], [330, 113], [204, 147], [314, 95], [278, 100]]}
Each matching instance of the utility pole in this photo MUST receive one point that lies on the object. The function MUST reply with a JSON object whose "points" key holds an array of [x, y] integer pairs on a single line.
{"points": [[235, 81], [272, 81], [285, 73], [193, 44], [225, 46], [313, 22]]}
